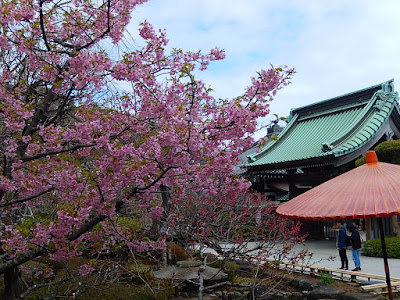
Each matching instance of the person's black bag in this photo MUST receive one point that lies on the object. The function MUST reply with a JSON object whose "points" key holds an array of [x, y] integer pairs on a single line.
{"points": [[348, 240]]}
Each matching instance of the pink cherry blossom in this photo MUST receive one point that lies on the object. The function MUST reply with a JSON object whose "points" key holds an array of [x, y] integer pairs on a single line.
{"points": [[88, 134]]}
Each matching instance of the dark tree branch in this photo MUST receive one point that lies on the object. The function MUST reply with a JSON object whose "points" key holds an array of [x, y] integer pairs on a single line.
{"points": [[41, 155], [19, 260], [116, 136], [137, 189], [85, 228], [22, 200], [42, 26], [77, 48], [60, 109]]}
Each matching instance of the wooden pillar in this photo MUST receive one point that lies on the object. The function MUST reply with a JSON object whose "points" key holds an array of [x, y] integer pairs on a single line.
{"points": [[293, 190], [368, 229]]}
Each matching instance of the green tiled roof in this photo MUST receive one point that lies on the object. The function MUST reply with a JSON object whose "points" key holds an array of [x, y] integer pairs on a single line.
{"points": [[330, 128]]}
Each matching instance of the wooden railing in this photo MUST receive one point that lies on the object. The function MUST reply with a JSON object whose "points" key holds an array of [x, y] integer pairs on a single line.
{"points": [[345, 275]]}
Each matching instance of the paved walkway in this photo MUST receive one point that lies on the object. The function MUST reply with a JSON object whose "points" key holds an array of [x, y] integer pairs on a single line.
{"points": [[324, 249], [325, 254]]}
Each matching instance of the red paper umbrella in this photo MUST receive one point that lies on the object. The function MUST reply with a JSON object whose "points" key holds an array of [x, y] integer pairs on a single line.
{"points": [[369, 191]]}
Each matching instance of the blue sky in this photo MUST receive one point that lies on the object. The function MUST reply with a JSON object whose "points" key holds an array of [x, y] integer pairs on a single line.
{"points": [[336, 46]]}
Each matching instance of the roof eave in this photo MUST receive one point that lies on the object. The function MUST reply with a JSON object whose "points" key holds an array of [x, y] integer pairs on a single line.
{"points": [[289, 165]]}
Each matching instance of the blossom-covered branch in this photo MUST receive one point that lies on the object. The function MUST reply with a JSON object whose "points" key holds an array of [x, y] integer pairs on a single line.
{"points": [[76, 151]]}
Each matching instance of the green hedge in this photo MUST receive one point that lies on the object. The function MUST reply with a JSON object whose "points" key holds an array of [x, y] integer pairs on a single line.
{"points": [[374, 247], [388, 151], [360, 161]]}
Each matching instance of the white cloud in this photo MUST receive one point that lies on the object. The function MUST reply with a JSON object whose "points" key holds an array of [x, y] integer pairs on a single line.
{"points": [[336, 46]]}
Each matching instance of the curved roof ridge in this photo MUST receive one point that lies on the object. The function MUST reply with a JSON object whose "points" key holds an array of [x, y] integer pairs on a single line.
{"points": [[361, 118], [378, 117], [302, 110], [334, 133]]}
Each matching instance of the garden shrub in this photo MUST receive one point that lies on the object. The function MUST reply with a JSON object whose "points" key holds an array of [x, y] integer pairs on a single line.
{"points": [[388, 151], [177, 253], [374, 247], [214, 262], [327, 279], [231, 268], [360, 161]]}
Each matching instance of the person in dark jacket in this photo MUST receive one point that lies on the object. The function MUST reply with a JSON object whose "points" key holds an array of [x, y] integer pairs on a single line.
{"points": [[355, 241], [342, 243]]}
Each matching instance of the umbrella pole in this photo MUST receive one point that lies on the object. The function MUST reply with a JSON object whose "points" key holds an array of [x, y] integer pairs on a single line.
{"points": [[384, 252]]}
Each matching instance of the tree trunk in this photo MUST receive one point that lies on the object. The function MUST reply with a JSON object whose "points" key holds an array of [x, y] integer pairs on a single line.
{"points": [[201, 282], [395, 225], [12, 284], [12, 281], [162, 224]]}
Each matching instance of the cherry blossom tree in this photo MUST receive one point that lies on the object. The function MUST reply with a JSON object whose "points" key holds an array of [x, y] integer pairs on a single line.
{"points": [[227, 223], [76, 149], [240, 227]]}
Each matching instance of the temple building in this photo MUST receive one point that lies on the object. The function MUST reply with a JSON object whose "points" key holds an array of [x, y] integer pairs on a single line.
{"points": [[323, 140]]}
